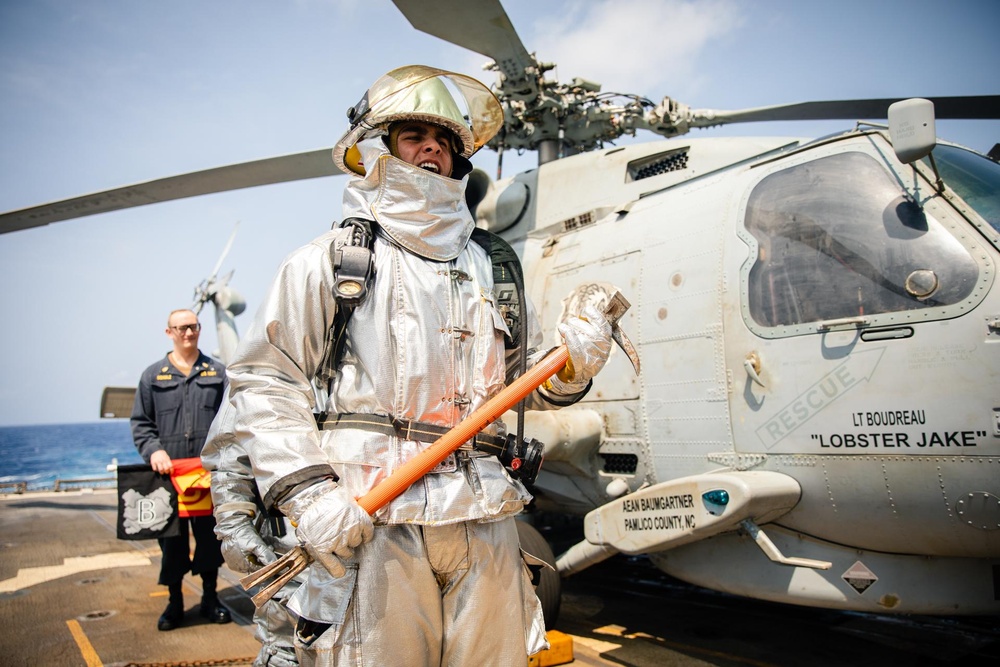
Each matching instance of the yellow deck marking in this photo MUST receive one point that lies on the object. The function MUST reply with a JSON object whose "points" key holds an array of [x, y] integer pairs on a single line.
{"points": [[687, 648], [619, 631], [30, 576], [595, 644], [89, 654]]}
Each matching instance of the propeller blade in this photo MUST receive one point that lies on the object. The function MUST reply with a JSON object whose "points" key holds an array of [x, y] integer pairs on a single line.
{"points": [[970, 107], [209, 287], [282, 169], [225, 251], [482, 27], [224, 280]]}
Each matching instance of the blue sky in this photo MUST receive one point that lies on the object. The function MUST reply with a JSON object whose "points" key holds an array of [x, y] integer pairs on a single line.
{"points": [[96, 94]]}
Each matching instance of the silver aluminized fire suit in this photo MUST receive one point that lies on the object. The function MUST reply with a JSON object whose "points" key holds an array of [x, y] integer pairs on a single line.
{"points": [[250, 538], [442, 581]]}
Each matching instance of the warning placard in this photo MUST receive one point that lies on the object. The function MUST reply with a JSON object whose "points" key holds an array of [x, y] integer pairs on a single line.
{"points": [[859, 577]]}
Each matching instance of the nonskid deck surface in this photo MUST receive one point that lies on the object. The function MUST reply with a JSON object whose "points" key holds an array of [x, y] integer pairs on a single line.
{"points": [[73, 594]]}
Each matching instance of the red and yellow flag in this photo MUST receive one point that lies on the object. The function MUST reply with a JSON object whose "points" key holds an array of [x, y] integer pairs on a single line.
{"points": [[194, 497]]}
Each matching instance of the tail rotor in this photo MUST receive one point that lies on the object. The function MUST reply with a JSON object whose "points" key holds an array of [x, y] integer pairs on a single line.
{"points": [[227, 301]]}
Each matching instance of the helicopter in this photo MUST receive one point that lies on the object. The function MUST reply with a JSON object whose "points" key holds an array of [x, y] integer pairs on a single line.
{"points": [[798, 305]]}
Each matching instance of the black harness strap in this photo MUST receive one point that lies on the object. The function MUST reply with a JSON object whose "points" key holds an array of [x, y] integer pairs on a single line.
{"points": [[406, 429], [508, 283], [353, 274]]}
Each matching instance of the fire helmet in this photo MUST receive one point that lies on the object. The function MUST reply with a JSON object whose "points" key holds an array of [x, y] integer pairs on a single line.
{"points": [[420, 93]]}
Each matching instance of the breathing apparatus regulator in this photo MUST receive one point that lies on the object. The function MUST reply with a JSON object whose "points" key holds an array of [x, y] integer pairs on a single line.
{"points": [[522, 457]]}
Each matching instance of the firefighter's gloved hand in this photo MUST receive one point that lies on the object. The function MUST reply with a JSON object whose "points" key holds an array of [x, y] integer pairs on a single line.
{"points": [[242, 546], [588, 339], [330, 524], [277, 656]]}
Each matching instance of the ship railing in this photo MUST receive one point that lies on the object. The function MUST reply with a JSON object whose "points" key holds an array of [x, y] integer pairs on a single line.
{"points": [[66, 484]]}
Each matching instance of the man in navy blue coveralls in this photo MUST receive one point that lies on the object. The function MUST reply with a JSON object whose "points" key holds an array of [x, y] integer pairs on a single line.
{"points": [[175, 404]]}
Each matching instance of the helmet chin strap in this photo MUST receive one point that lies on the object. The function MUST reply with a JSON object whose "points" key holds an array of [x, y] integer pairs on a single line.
{"points": [[461, 168]]}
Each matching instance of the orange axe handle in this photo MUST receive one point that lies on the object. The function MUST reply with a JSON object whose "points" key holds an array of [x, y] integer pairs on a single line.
{"points": [[277, 574], [408, 473]]}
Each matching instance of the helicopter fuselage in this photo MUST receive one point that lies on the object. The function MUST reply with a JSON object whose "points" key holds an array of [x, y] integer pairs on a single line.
{"points": [[818, 311]]}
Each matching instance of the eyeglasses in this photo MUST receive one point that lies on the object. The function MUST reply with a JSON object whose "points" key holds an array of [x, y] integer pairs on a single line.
{"points": [[184, 328]]}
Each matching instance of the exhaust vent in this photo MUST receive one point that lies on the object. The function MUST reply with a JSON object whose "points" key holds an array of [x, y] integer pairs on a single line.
{"points": [[620, 463], [654, 165], [578, 221]]}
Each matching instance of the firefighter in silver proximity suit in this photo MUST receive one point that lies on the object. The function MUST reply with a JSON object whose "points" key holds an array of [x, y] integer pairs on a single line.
{"points": [[435, 577], [250, 539]]}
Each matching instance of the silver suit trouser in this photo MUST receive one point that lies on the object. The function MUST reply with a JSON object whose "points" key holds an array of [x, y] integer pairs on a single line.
{"points": [[435, 596], [275, 631]]}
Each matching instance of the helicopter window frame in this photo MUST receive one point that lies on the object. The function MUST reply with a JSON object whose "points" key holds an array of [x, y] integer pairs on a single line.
{"points": [[895, 305], [968, 175]]}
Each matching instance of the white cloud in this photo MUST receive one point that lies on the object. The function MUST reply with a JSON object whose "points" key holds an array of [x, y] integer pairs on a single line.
{"points": [[646, 47]]}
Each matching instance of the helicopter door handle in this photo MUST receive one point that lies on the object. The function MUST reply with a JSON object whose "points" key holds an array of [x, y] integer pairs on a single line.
{"points": [[752, 366], [843, 323]]}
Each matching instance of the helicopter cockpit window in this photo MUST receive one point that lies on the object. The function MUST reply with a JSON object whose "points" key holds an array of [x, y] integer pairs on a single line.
{"points": [[838, 237], [975, 178]]}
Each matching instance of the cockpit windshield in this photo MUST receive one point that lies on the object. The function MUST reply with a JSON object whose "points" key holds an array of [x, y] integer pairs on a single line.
{"points": [[975, 178], [837, 237]]}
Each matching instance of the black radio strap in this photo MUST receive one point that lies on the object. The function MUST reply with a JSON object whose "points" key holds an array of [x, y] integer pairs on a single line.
{"points": [[353, 273], [508, 284]]}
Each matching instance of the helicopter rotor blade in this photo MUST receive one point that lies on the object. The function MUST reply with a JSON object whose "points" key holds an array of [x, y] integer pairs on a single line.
{"points": [[482, 27], [281, 169], [969, 107]]}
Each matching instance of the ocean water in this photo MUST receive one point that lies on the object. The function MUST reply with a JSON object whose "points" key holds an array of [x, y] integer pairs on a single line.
{"points": [[39, 455]]}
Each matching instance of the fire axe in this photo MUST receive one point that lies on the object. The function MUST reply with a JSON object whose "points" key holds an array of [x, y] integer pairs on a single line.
{"points": [[274, 576]]}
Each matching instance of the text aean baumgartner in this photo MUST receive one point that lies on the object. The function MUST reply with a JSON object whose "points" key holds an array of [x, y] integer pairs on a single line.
{"points": [[659, 513]]}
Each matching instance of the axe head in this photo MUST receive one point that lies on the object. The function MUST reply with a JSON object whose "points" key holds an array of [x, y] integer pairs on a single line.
{"points": [[614, 311], [615, 308]]}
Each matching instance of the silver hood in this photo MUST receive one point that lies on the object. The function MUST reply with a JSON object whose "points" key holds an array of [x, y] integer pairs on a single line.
{"points": [[421, 211]]}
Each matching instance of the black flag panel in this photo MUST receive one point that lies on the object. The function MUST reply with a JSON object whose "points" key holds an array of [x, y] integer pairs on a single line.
{"points": [[147, 504]]}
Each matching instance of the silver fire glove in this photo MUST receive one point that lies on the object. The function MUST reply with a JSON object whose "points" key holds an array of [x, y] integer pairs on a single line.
{"points": [[242, 546], [329, 522], [588, 339]]}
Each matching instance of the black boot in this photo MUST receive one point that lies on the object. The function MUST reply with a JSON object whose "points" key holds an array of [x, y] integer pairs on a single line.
{"points": [[211, 608], [173, 615]]}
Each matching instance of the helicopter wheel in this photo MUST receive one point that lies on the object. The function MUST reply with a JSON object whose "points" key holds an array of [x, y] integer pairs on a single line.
{"points": [[549, 589]]}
